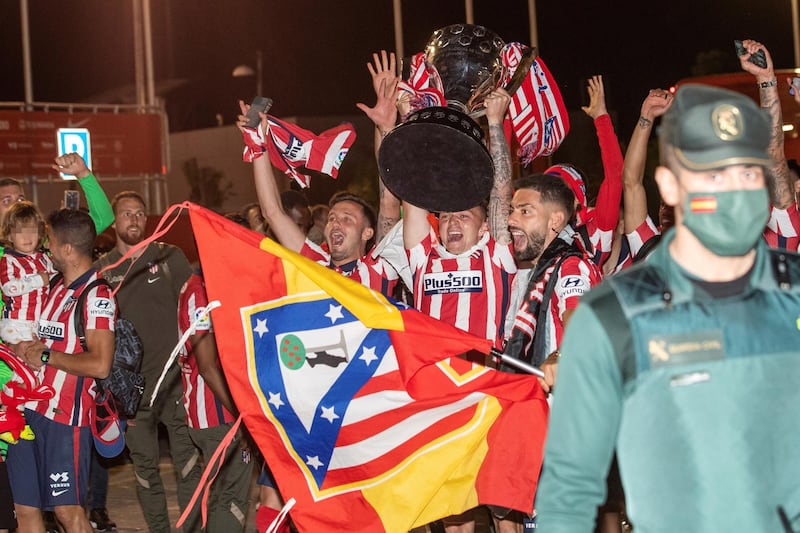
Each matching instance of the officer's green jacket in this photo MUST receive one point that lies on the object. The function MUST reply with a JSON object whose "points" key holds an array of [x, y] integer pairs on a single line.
{"points": [[700, 396]]}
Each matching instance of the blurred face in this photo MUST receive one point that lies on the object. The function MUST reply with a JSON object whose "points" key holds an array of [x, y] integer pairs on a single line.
{"points": [[347, 232], [302, 217], [24, 236], [130, 221], [255, 219], [9, 195], [530, 224], [462, 230]]}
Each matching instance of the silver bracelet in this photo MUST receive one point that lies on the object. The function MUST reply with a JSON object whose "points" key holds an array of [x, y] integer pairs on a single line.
{"points": [[771, 83]]}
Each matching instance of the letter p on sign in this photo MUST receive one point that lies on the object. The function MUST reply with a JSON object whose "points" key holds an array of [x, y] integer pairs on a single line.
{"points": [[74, 140]]}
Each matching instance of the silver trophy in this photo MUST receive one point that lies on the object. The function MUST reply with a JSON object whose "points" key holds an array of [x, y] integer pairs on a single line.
{"points": [[436, 159]]}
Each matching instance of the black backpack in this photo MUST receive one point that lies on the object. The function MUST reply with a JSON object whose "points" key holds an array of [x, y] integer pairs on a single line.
{"points": [[125, 383]]}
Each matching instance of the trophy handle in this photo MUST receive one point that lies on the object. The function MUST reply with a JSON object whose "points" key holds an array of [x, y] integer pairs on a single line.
{"points": [[525, 63]]}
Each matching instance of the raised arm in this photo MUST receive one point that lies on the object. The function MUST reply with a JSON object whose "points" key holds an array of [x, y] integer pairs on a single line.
{"points": [[634, 195], [500, 197], [783, 189], [384, 115], [610, 193], [96, 199], [286, 231]]}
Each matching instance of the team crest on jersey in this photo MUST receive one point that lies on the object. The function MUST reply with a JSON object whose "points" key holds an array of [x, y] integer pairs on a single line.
{"points": [[101, 308], [49, 329], [152, 267], [308, 358], [454, 281]]}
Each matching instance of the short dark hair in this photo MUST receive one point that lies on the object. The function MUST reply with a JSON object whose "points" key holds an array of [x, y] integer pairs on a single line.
{"points": [[123, 195], [346, 196], [319, 212], [553, 190], [292, 199], [238, 218], [22, 212], [9, 182], [247, 207], [369, 212], [74, 227]]}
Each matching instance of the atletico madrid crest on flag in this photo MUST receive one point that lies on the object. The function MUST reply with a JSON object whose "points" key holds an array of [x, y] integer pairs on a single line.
{"points": [[320, 368]]}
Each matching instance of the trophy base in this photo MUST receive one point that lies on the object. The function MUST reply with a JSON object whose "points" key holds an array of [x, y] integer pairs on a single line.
{"points": [[436, 160]]}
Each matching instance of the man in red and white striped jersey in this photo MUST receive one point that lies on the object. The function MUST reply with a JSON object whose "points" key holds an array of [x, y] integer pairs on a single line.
{"points": [[542, 207], [52, 470], [462, 274], [349, 233], [210, 411]]}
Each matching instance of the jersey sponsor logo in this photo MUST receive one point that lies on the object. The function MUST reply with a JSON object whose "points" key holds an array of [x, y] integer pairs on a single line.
{"points": [[101, 307], [448, 282], [153, 280], [573, 285], [51, 330]]}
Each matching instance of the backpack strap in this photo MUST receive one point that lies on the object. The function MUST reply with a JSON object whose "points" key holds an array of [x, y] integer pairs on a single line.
{"points": [[80, 326], [539, 336]]}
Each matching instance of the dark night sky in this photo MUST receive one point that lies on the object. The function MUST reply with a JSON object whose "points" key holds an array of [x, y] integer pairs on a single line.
{"points": [[315, 51]]}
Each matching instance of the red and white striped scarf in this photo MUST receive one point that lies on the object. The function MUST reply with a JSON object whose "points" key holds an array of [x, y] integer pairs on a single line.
{"points": [[424, 84], [537, 114], [291, 147]]}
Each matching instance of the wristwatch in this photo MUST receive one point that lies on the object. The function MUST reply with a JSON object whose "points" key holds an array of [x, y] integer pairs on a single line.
{"points": [[45, 357]]}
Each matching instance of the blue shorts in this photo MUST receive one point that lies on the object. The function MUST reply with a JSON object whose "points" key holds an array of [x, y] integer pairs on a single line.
{"points": [[265, 478], [53, 468]]}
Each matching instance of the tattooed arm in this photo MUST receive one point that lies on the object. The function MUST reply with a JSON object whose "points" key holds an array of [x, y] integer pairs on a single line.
{"points": [[782, 180], [502, 190], [634, 196]]}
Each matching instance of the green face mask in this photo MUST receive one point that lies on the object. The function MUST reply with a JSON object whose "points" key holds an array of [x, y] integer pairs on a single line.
{"points": [[727, 223]]}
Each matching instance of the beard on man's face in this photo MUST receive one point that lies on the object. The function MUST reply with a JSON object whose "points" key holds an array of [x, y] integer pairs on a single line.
{"points": [[533, 249], [131, 240]]}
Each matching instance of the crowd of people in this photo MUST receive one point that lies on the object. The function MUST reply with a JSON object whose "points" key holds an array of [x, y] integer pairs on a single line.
{"points": [[655, 355]]}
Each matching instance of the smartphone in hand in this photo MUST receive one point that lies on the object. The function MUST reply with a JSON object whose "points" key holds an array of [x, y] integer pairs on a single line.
{"points": [[260, 104], [759, 58], [72, 200]]}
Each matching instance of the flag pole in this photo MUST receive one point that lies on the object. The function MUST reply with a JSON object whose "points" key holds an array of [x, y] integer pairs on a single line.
{"points": [[516, 363]]}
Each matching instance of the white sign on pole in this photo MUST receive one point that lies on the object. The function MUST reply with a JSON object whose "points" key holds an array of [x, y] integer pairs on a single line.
{"points": [[74, 140]]}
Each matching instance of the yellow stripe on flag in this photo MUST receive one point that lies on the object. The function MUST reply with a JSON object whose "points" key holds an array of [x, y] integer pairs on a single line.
{"points": [[436, 460], [369, 306]]}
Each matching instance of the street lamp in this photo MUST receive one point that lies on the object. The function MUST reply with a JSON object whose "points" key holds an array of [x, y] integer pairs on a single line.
{"points": [[246, 70]]}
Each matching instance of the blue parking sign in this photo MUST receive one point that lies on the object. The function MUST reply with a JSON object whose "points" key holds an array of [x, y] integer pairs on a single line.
{"points": [[74, 140]]}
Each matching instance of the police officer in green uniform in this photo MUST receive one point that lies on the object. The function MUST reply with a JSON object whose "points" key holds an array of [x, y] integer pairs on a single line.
{"points": [[688, 364]]}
